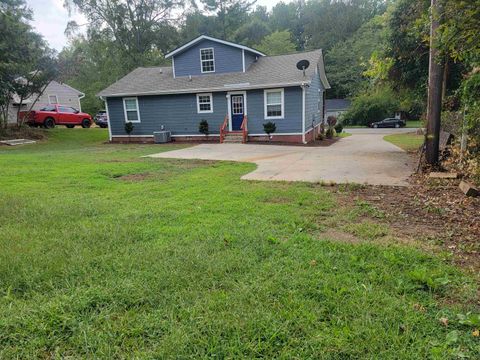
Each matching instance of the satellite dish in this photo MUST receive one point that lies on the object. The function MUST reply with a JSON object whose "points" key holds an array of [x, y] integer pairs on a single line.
{"points": [[303, 64]]}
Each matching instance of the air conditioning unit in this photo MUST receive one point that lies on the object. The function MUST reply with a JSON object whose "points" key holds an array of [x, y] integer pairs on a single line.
{"points": [[161, 137]]}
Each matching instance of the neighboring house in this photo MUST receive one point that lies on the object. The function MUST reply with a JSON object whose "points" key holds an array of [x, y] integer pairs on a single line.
{"points": [[223, 83], [55, 93], [336, 107]]}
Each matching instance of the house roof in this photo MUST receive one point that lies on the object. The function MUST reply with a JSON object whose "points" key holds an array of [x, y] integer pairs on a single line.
{"points": [[266, 72], [337, 104], [78, 92], [205, 37]]}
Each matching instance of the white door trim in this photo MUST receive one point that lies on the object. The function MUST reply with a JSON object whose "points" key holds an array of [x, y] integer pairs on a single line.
{"points": [[229, 105]]}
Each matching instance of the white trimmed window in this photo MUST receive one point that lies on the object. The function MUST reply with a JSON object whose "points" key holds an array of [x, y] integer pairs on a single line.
{"points": [[52, 99], [204, 103], [274, 104], [207, 59], [130, 107]]}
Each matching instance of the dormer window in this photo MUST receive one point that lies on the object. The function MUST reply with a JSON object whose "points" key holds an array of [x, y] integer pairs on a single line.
{"points": [[207, 60]]}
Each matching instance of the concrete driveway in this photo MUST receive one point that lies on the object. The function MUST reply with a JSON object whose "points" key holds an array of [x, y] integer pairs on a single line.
{"points": [[363, 158]]}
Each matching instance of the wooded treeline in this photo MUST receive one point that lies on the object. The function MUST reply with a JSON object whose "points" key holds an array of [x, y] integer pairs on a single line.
{"points": [[121, 35]]}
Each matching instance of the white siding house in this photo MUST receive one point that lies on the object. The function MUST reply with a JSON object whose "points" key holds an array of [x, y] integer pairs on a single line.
{"points": [[55, 93]]}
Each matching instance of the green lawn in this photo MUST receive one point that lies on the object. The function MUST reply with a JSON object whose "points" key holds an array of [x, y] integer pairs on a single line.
{"points": [[105, 254], [407, 142]]}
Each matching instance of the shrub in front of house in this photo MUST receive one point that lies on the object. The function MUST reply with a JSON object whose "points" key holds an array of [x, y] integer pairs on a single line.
{"points": [[269, 128], [331, 122], [203, 127], [330, 133], [129, 128]]}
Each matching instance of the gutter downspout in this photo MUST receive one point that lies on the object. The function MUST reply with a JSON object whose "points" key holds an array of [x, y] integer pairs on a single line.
{"points": [[80, 97], [108, 119], [304, 86]]}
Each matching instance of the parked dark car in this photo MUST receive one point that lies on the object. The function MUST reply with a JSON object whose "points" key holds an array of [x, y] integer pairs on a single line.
{"points": [[101, 119], [388, 123]]}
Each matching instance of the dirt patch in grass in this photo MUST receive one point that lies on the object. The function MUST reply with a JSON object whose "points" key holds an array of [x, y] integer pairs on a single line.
{"points": [[341, 236], [277, 200], [134, 177], [429, 213], [24, 132]]}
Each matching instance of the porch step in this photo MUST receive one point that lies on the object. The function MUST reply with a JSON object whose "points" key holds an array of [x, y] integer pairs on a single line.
{"points": [[233, 138]]}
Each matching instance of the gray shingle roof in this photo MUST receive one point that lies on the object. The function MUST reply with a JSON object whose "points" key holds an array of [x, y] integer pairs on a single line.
{"points": [[337, 104], [267, 71]]}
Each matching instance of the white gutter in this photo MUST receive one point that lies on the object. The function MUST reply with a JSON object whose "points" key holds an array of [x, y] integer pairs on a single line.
{"points": [[303, 113], [215, 89], [80, 97]]}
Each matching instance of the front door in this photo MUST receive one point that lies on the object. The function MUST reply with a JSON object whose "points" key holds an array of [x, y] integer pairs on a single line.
{"points": [[237, 111]]}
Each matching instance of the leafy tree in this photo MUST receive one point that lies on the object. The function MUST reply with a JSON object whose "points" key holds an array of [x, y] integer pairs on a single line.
{"points": [[195, 24], [26, 62], [252, 33], [459, 30], [230, 14], [329, 22], [347, 62], [277, 43], [408, 45], [371, 106], [90, 64], [290, 16], [138, 28]]}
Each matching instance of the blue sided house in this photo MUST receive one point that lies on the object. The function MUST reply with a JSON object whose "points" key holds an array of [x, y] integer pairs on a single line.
{"points": [[236, 89]]}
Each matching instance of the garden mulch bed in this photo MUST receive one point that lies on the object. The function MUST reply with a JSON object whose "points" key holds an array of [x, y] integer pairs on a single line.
{"points": [[430, 212]]}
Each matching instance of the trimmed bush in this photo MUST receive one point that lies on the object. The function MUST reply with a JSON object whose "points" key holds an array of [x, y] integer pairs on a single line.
{"points": [[129, 127], [269, 128], [203, 127]]}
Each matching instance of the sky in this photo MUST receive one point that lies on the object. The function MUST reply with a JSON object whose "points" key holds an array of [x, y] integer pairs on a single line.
{"points": [[50, 19]]}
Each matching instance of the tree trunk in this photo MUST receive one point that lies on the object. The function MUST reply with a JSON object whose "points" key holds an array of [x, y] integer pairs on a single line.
{"points": [[435, 79]]}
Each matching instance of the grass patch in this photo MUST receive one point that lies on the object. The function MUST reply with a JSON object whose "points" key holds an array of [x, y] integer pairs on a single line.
{"points": [[415, 124], [192, 262], [407, 142], [343, 134]]}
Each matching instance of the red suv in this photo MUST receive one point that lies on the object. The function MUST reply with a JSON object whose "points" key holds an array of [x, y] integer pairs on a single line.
{"points": [[55, 114]]}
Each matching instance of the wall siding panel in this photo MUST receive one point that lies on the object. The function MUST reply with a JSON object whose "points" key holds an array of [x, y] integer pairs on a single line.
{"points": [[313, 103], [250, 58], [65, 96], [227, 59], [292, 121], [178, 113]]}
